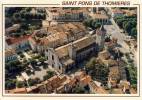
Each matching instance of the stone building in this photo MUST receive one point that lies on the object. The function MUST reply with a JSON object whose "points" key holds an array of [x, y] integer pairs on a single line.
{"points": [[64, 58], [100, 37]]}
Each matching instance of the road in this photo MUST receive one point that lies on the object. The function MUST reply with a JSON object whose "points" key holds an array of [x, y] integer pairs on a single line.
{"points": [[115, 32]]}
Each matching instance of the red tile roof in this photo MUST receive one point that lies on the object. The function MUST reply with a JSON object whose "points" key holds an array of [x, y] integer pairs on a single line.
{"points": [[11, 40]]}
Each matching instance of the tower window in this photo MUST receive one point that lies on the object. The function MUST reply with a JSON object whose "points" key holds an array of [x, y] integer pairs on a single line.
{"points": [[52, 57]]}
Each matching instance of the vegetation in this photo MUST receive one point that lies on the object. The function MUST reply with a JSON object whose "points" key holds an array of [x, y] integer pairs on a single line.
{"points": [[28, 21], [128, 23], [97, 70], [10, 84], [24, 13], [92, 24], [13, 68], [32, 82], [72, 8], [48, 75], [132, 75], [20, 84], [78, 90], [131, 71]]}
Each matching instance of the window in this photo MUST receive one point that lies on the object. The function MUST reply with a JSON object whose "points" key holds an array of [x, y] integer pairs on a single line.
{"points": [[52, 57], [52, 65], [59, 67]]}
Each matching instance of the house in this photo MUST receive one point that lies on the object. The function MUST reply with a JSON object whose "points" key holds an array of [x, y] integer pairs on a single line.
{"points": [[104, 55], [100, 17], [130, 12], [11, 29], [96, 9], [95, 87], [66, 14], [10, 55], [19, 44], [117, 12], [114, 76], [125, 85], [56, 36]]}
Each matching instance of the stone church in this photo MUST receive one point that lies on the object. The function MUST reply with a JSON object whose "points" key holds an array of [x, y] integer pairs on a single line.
{"points": [[68, 56]]}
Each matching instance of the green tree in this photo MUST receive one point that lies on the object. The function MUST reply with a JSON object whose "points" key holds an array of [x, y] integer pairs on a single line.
{"points": [[120, 23], [88, 22], [48, 75], [16, 15], [32, 82], [20, 84], [91, 64], [78, 90], [97, 25], [97, 70], [134, 32], [28, 9], [10, 84], [127, 26]]}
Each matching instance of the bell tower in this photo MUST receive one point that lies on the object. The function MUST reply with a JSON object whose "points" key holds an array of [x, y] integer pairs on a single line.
{"points": [[100, 37]]}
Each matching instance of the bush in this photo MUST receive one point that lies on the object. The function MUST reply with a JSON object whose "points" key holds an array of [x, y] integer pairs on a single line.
{"points": [[20, 84], [33, 81], [10, 84], [48, 75]]}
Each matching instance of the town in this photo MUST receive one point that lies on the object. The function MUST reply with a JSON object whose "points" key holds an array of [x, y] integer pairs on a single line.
{"points": [[71, 50]]}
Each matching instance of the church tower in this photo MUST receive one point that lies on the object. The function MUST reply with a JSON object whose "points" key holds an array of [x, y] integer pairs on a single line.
{"points": [[72, 51], [100, 37]]}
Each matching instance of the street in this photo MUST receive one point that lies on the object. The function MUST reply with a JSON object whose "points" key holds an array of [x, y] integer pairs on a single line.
{"points": [[115, 32]]}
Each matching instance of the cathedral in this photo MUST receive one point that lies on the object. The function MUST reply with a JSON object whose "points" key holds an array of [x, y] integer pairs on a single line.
{"points": [[68, 56]]}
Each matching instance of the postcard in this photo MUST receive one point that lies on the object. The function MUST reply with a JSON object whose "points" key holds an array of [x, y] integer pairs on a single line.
{"points": [[71, 49]]}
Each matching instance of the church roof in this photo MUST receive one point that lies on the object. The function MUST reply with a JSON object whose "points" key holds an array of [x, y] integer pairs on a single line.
{"points": [[79, 44]]}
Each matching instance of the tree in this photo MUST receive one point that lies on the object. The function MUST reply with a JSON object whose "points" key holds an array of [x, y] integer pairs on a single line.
{"points": [[16, 15], [13, 68], [27, 16], [88, 22], [42, 59], [48, 75], [78, 89], [90, 65], [37, 80], [22, 13], [97, 25], [127, 26], [10, 84], [28, 9], [134, 32], [20, 84], [32, 82], [97, 70], [24, 26], [120, 23]]}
